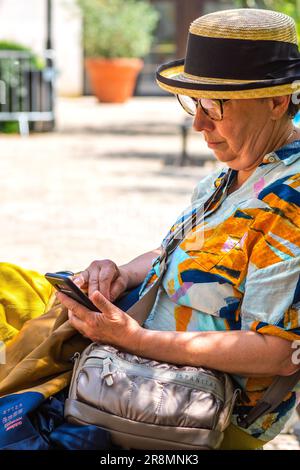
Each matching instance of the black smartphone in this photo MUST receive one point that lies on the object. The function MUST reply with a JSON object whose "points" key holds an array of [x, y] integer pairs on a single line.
{"points": [[63, 283]]}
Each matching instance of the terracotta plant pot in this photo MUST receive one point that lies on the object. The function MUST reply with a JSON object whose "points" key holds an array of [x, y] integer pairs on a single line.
{"points": [[113, 80]]}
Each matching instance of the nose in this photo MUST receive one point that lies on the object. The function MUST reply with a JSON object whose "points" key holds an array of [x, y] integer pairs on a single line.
{"points": [[202, 122]]}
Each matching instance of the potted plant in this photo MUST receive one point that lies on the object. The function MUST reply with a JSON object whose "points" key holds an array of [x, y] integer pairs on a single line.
{"points": [[117, 34]]}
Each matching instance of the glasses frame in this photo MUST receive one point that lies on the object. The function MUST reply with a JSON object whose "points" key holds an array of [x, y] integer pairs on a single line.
{"points": [[198, 101]]}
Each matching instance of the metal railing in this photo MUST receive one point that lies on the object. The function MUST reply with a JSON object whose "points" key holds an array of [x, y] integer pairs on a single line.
{"points": [[26, 92]]}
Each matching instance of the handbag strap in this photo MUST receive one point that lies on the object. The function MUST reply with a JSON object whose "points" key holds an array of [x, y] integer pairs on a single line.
{"points": [[273, 396], [141, 309], [278, 390]]}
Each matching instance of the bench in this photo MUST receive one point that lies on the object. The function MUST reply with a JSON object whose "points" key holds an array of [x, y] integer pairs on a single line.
{"points": [[185, 158]]}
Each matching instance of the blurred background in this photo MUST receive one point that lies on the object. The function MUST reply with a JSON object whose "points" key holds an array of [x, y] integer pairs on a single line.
{"points": [[96, 161]]}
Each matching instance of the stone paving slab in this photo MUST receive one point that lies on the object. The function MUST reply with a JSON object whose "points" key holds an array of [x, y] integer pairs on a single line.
{"points": [[104, 185]]}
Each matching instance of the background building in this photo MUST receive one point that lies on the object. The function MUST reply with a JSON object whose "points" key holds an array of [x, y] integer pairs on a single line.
{"points": [[26, 22], [171, 35]]}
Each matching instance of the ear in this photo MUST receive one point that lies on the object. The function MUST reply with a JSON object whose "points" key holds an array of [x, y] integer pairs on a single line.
{"points": [[279, 106]]}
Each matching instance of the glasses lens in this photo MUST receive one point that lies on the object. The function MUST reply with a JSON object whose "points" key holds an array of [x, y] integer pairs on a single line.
{"points": [[189, 104], [213, 108]]}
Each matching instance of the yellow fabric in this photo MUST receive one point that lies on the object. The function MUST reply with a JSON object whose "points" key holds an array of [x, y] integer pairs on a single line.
{"points": [[23, 296], [38, 345], [236, 439]]}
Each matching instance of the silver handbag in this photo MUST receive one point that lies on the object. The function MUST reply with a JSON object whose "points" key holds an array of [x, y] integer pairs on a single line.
{"points": [[146, 404]]}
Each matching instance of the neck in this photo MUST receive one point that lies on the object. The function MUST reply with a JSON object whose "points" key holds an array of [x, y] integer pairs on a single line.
{"points": [[276, 141], [280, 137]]}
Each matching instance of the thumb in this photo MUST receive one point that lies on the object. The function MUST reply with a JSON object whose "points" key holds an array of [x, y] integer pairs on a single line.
{"points": [[104, 305]]}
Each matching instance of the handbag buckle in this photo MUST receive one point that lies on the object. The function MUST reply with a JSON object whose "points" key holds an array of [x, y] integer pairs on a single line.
{"points": [[107, 372], [244, 421]]}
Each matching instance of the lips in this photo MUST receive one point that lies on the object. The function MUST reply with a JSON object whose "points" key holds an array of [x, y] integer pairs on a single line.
{"points": [[213, 144]]}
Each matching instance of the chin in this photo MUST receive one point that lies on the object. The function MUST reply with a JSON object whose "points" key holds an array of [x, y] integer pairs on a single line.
{"points": [[224, 156]]}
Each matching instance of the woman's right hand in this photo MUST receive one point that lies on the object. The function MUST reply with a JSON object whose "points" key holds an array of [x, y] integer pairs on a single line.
{"points": [[104, 276]]}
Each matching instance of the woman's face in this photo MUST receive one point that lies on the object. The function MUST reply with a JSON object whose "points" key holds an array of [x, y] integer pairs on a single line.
{"points": [[242, 138]]}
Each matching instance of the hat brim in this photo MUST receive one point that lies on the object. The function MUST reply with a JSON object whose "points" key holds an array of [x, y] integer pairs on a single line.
{"points": [[171, 77]]}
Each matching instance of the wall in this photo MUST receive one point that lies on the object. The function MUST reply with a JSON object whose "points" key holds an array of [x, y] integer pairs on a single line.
{"points": [[25, 22]]}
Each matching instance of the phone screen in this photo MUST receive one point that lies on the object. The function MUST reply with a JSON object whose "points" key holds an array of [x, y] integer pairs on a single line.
{"points": [[63, 283]]}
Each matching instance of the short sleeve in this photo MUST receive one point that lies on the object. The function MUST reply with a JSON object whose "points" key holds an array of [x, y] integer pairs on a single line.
{"points": [[271, 302]]}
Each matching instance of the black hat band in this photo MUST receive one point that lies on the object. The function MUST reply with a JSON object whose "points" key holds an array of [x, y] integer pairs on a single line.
{"points": [[240, 59]]}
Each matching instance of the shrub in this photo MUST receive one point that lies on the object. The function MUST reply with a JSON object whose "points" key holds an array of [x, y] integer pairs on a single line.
{"points": [[117, 28]]}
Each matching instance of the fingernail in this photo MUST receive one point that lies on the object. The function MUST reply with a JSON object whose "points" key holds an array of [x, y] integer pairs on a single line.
{"points": [[77, 281]]}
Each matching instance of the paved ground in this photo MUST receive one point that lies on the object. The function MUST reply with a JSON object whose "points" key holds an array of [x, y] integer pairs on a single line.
{"points": [[98, 187], [104, 185]]}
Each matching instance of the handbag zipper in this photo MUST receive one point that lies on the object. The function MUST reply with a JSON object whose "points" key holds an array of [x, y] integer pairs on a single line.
{"points": [[204, 383], [75, 359]]}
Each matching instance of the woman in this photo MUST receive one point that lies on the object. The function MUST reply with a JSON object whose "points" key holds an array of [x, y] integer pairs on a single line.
{"points": [[231, 302]]}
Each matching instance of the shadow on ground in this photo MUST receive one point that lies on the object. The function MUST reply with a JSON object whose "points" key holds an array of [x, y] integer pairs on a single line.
{"points": [[154, 190], [167, 159], [131, 129]]}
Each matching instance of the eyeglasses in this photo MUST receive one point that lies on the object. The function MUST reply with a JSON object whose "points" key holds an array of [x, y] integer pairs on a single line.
{"points": [[213, 108]]}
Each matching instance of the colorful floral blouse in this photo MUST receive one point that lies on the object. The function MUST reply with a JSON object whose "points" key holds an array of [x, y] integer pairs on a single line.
{"points": [[243, 274]]}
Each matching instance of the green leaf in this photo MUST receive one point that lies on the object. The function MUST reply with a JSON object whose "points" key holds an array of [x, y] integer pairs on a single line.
{"points": [[118, 28]]}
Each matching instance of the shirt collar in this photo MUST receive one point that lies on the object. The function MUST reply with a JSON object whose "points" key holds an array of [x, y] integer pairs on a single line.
{"points": [[288, 154], [219, 179]]}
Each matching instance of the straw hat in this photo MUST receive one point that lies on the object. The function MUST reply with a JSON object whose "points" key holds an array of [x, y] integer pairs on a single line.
{"points": [[241, 53]]}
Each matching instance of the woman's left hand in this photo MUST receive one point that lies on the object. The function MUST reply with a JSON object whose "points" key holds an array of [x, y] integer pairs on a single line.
{"points": [[111, 325]]}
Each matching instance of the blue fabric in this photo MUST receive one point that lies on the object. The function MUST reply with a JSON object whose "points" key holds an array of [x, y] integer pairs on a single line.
{"points": [[29, 422], [16, 428], [289, 153], [297, 119], [127, 300], [44, 428]]}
